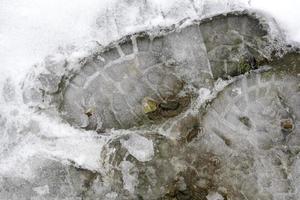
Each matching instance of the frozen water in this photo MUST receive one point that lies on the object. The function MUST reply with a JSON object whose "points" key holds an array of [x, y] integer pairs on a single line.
{"points": [[42, 157]]}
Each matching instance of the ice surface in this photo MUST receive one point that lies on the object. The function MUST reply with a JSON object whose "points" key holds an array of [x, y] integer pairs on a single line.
{"points": [[40, 156]]}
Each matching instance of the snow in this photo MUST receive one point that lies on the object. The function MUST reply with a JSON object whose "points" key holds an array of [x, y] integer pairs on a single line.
{"points": [[214, 196], [27, 135], [286, 13], [32, 29], [139, 147]]}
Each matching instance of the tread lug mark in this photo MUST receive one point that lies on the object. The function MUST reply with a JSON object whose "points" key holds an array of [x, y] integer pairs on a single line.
{"points": [[186, 48], [143, 42], [126, 46], [157, 44], [147, 60], [110, 54], [121, 70]]}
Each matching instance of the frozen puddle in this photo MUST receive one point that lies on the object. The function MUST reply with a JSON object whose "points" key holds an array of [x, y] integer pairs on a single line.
{"points": [[204, 109]]}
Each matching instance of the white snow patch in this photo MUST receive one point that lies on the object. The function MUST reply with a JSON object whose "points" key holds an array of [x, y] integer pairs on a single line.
{"points": [[139, 147], [220, 84], [214, 196], [286, 13], [204, 94], [26, 135], [32, 29]]}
